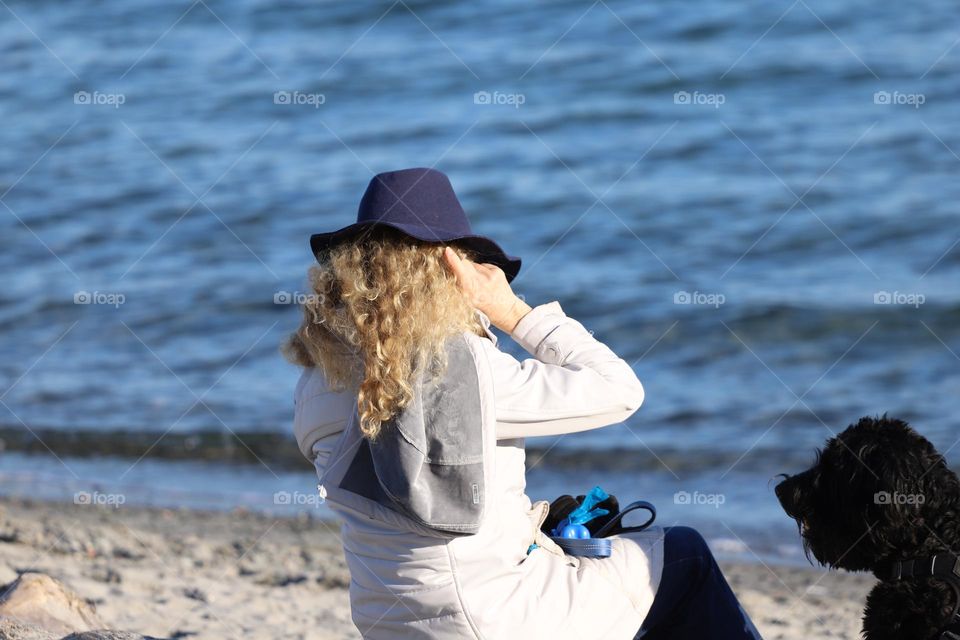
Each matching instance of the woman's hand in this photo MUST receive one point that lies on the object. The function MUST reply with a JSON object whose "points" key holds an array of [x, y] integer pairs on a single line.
{"points": [[486, 288]]}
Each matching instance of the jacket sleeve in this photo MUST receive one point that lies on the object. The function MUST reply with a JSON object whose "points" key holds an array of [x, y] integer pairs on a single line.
{"points": [[319, 412], [573, 383]]}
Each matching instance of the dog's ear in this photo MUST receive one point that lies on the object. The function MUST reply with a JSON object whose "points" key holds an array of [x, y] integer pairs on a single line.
{"points": [[941, 480], [909, 481], [938, 491]]}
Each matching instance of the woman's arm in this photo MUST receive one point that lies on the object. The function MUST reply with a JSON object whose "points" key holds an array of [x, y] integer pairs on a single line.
{"points": [[574, 382], [318, 411]]}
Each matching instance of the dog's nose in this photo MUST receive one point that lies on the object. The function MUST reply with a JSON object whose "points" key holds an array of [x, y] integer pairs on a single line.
{"points": [[785, 495], [779, 489]]}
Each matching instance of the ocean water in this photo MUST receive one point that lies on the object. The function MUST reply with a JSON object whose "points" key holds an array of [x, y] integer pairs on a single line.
{"points": [[754, 203]]}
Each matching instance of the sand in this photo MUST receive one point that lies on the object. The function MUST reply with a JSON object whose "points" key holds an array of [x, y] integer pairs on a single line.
{"points": [[189, 574]]}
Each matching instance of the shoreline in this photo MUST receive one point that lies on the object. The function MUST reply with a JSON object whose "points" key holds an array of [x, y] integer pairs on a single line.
{"points": [[215, 574]]}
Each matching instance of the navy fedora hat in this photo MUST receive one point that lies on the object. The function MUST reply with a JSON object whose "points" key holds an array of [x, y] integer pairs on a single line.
{"points": [[421, 204]]}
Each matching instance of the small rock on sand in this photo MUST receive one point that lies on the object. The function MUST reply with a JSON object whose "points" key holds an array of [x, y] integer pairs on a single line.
{"points": [[36, 598]]}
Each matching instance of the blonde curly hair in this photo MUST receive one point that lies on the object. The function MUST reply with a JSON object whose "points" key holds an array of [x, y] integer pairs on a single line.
{"points": [[382, 309]]}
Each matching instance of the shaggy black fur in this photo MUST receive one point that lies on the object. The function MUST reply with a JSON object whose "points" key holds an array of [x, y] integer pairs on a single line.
{"points": [[880, 492]]}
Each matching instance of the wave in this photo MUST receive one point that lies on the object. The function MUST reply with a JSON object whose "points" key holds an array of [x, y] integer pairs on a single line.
{"points": [[279, 450]]}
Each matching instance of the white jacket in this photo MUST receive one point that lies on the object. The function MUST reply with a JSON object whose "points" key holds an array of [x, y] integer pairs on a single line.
{"points": [[408, 585]]}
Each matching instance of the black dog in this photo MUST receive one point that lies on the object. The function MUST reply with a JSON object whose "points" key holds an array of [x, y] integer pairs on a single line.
{"points": [[879, 496]]}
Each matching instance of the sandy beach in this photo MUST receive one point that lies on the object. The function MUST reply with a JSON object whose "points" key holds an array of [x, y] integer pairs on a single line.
{"points": [[188, 574]]}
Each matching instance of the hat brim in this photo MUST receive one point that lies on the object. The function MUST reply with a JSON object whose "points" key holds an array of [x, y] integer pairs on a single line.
{"points": [[486, 249]]}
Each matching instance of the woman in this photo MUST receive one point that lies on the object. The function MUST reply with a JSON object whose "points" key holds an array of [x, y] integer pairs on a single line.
{"points": [[416, 422]]}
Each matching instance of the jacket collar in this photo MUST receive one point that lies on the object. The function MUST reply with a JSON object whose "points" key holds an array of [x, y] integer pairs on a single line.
{"points": [[485, 321]]}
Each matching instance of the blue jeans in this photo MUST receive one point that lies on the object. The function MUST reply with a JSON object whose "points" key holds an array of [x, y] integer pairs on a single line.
{"points": [[694, 599]]}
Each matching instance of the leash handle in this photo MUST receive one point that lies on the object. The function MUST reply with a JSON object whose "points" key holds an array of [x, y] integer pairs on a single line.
{"points": [[608, 528]]}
